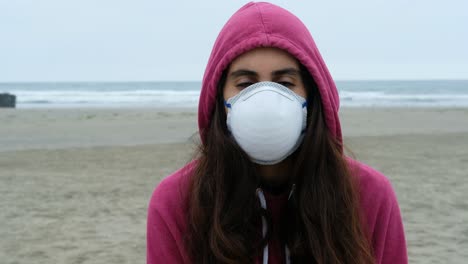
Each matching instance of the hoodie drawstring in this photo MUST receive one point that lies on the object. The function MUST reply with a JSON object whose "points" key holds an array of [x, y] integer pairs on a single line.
{"points": [[263, 203], [264, 224]]}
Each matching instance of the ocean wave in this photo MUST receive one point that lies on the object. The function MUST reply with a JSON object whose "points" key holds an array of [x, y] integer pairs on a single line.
{"points": [[106, 98], [187, 94]]}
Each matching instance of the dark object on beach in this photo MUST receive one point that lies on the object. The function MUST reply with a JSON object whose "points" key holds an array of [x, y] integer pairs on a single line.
{"points": [[7, 100]]}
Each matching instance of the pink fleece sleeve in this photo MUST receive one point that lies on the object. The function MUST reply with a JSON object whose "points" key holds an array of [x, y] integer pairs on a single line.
{"points": [[389, 236], [166, 222], [382, 215], [161, 245]]}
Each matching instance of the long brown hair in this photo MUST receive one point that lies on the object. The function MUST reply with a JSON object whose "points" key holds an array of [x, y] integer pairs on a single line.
{"points": [[324, 224]]}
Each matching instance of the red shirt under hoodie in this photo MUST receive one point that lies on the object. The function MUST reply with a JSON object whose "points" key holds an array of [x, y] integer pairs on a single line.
{"points": [[266, 25]]}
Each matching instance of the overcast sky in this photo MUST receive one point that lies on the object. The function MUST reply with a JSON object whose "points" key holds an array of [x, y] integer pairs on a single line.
{"points": [[151, 40]]}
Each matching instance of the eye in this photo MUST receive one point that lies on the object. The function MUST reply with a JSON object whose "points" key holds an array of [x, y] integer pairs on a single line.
{"points": [[287, 84], [244, 84]]}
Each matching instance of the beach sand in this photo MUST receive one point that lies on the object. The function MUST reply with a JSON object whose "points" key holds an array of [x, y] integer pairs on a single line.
{"points": [[75, 184]]}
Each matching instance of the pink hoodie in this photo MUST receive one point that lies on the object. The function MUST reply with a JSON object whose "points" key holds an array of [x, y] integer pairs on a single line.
{"points": [[266, 25]]}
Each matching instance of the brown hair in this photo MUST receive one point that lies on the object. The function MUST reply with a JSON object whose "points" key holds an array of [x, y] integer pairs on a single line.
{"points": [[323, 224]]}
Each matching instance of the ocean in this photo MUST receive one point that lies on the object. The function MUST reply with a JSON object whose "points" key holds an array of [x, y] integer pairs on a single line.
{"points": [[440, 93]]}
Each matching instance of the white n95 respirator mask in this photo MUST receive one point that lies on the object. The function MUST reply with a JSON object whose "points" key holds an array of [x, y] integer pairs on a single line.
{"points": [[268, 121]]}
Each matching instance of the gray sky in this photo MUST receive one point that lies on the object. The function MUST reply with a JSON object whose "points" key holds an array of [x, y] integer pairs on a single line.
{"points": [[146, 40]]}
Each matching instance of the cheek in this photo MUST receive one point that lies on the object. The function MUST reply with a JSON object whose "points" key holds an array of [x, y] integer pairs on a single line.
{"points": [[229, 91], [300, 90]]}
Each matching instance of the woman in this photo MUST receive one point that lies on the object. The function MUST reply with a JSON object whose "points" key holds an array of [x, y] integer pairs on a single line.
{"points": [[271, 183]]}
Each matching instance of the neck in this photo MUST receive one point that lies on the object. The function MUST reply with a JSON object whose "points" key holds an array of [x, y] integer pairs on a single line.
{"points": [[275, 176]]}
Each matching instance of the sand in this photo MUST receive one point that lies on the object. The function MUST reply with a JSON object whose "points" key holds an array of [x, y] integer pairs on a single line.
{"points": [[75, 183]]}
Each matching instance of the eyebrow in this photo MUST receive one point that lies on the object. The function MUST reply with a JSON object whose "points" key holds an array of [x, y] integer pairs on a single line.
{"points": [[245, 72], [286, 71]]}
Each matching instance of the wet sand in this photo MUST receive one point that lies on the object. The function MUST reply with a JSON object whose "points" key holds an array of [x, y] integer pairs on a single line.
{"points": [[74, 184]]}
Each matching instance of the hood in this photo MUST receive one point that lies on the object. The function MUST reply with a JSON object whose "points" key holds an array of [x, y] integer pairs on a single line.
{"points": [[267, 25]]}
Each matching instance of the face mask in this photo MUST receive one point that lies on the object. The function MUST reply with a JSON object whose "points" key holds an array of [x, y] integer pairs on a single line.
{"points": [[268, 121]]}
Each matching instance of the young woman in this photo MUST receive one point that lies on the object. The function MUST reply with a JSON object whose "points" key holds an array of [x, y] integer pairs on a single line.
{"points": [[271, 183]]}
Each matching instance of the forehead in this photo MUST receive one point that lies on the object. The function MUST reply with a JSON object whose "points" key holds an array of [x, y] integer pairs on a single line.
{"points": [[264, 59]]}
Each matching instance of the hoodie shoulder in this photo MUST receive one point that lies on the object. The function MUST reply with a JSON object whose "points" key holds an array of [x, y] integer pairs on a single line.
{"points": [[166, 220], [376, 192], [371, 181], [172, 190], [381, 213]]}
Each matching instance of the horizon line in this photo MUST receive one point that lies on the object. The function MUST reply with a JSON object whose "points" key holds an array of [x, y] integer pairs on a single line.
{"points": [[199, 81]]}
